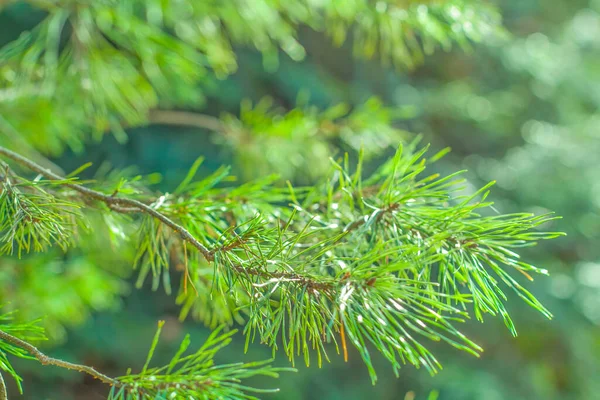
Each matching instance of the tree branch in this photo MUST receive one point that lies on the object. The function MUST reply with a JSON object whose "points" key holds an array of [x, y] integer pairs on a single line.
{"points": [[117, 204], [323, 286], [185, 118], [124, 205], [45, 360]]}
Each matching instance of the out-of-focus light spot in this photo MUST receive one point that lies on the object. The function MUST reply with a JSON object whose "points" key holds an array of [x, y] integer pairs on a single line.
{"points": [[531, 130], [507, 182], [479, 108], [468, 27], [472, 161], [9, 74], [542, 90], [455, 12], [86, 84], [398, 13], [589, 304], [541, 134], [562, 286], [595, 193], [407, 95], [586, 26], [381, 7], [154, 13], [208, 26], [589, 224], [484, 166], [537, 45], [591, 126], [588, 274], [185, 30], [523, 158]]}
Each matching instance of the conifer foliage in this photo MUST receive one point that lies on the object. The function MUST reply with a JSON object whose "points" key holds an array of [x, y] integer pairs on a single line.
{"points": [[383, 262]]}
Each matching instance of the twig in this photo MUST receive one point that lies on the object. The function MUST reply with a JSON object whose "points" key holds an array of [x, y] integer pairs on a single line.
{"points": [[324, 287], [185, 118], [117, 204], [3, 393], [45, 360]]}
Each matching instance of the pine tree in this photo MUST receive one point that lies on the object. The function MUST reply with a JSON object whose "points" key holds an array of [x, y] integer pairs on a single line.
{"points": [[382, 259]]}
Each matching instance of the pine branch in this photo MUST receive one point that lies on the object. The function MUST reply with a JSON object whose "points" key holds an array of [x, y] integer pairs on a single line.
{"points": [[126, 205], [186, 376], [118, 204], [389, 260], [45, 360]]}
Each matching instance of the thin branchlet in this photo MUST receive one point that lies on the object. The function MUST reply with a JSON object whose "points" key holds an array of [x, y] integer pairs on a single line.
{"points": [[46, 360], [314, 284], [3, 392]]}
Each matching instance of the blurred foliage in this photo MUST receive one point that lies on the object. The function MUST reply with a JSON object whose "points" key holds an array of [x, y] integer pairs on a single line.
{"points": [[83, 288], [298, 144], [143, 51]]}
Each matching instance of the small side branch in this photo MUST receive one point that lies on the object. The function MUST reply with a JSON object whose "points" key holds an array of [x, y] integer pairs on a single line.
{"points": [[117, 204], [3, 392], [185, 118], [45, 360]]}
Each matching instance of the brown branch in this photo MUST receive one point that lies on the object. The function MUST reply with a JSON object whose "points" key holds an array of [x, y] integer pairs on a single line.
{"points": [[3, 392], [45, 360], [185, 118], [117, 204], [310, 283]]}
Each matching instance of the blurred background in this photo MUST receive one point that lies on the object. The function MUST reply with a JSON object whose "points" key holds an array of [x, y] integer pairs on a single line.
{"points": [[523, 111]]}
